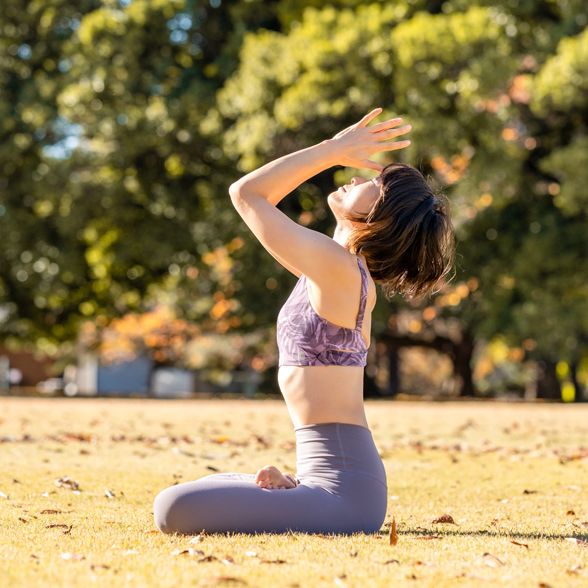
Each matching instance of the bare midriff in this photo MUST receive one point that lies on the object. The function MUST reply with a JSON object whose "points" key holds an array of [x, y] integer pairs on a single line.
{"points": [[323, 394]]}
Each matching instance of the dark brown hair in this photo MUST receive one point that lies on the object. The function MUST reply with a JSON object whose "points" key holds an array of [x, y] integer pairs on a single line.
{"points": [[407, 238]]}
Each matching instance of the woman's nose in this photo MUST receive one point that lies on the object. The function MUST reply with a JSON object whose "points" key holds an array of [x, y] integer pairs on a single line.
{"points": [[356, 181]]}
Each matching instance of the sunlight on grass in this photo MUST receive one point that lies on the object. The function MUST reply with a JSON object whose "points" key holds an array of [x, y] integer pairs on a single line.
{"points": [[514, 478]]}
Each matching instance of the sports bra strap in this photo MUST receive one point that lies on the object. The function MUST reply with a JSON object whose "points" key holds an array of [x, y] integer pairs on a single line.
{"points": [[364, 295]]}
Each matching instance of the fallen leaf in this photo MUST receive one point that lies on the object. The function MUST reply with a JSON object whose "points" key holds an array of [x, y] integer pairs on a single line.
{"points": [[576, 541], [67, 483], [197, 539], [473, 577], [56, 526], [251, 553], [15, 481], [188, 551], [207, 558], [99, 567], [151, 531], [393, 535], [220, 579], [570, 512], [520, 544], [109, 494], [273, 561], [340, 580], [324, 537], [391, 561], [574, 570], [212, 469], [72, 556], [529, 491], [228, 560], [179, 451], [50, 511], [444, 518], [491, 560], [378, 536], [22, 520], [544, 585], [353, 553]]}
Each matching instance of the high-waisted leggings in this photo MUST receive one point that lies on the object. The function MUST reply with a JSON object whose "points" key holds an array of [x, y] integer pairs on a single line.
{"points": [[341, 489]]}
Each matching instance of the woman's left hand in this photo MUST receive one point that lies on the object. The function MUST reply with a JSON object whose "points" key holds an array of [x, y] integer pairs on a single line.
{"points": [[355, 145]]}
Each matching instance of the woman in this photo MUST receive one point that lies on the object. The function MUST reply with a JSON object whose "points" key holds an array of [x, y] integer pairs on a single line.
{"points": [[392, 230]]}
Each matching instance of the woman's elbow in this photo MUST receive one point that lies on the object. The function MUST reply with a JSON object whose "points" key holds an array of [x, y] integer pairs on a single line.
{"points": [[235, 191]]}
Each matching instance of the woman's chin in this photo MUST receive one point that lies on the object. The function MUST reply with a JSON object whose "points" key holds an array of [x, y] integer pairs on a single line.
{"points": [[333, 203]]}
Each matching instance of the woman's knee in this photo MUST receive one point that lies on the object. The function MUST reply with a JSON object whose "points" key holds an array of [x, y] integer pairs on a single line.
{"points": [[175, 512]]}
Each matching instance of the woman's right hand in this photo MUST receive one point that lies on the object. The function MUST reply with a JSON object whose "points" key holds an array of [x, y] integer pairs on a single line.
{"points": [[355, 145]]}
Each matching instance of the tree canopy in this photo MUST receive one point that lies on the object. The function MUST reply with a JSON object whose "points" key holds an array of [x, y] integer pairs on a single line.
{"points": [[124, 122]]}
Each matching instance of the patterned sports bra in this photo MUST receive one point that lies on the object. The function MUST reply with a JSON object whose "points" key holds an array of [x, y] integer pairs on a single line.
{"points": [[305, 338]]}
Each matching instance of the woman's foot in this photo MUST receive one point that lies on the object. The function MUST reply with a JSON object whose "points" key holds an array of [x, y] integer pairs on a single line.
{"points": [[270, 477]]}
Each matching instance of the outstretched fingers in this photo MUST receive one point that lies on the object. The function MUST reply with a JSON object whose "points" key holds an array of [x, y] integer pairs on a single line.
{"points": [[385, 125], [383, 136], [393, 145], [391, 133], [369, 164], [368, 117]]}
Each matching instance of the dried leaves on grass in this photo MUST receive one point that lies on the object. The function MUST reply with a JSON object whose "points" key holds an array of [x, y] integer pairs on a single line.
{"points": [[67, 483], [72, 556], [393, 535], [190, 551], [576, 541], [444, 518], [491, 560], [221, 579]]}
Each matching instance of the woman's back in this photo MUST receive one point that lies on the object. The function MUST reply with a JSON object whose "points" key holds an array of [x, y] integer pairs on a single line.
{"points": [[323, 343]]}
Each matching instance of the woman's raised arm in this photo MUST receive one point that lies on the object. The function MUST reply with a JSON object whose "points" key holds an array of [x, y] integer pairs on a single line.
{"points": [[256, 194]]}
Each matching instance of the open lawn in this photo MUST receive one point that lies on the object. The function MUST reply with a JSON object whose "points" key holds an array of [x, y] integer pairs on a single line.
{"points": [[513, 477]]}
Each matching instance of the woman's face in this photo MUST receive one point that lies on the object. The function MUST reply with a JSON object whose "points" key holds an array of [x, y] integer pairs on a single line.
{"points": [[355, 199]]}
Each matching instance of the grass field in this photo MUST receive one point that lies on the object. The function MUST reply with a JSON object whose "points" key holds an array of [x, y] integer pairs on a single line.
{"points": [[514, 478]]}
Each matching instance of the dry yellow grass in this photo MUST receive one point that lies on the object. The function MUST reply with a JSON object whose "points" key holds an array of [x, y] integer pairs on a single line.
{"points": [[513, 477]]}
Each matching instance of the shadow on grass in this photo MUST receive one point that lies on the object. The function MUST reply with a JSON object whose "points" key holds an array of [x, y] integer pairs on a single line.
{"points": [[583, 536]]}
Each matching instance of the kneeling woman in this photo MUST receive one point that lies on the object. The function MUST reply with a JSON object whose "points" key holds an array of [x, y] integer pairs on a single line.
{"points": [[392, 230]]}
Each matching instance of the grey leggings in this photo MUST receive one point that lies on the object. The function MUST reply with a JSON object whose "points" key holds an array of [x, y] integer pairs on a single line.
{"points": [[342, 489]]}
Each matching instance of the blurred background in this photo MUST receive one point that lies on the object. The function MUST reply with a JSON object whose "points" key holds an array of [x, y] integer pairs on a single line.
{"points": [[124, 268]]}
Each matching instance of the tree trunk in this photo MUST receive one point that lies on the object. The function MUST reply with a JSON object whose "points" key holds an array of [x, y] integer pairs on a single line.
{"points": [[370, 389], [460, 354], [548, 386], [462, 364], [393, 372]]}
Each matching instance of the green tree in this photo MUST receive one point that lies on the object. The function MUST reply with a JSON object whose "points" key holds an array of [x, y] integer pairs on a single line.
{"points": [[468, 78], [112, 190]]}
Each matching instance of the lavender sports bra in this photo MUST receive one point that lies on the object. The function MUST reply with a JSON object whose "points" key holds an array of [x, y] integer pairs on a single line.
{"points": [[305, 338]]}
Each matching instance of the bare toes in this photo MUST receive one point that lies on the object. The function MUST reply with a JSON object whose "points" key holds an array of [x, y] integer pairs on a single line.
{"points": [[263, 475]]}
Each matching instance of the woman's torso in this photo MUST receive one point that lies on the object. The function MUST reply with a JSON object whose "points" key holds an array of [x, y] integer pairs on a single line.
{"points": [[333, 393]]}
